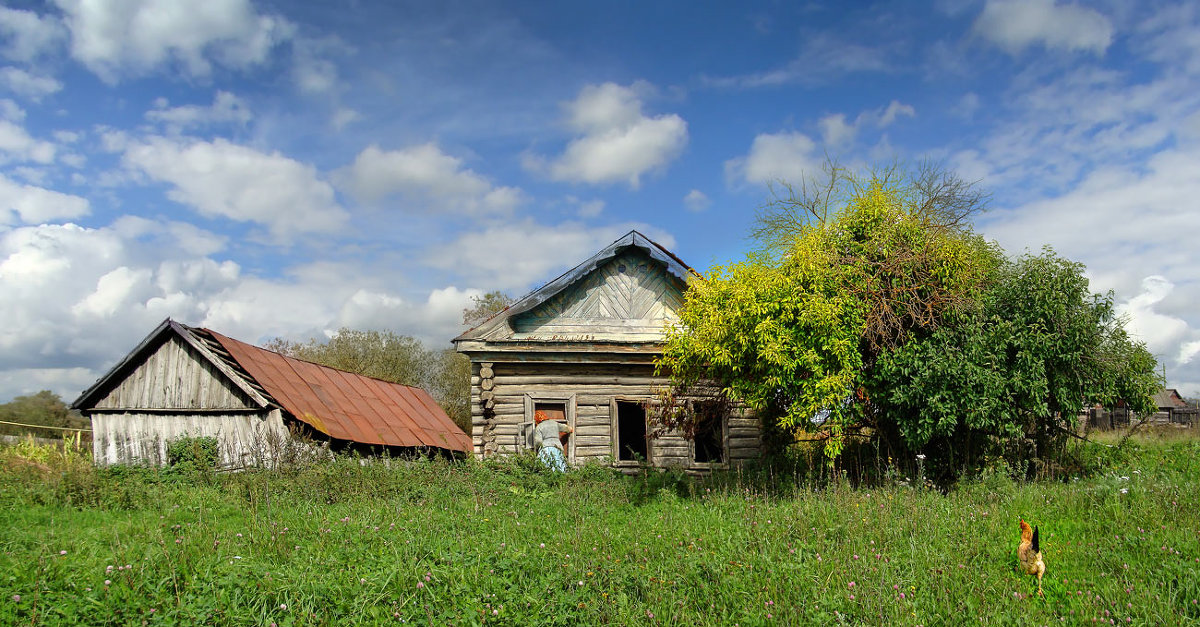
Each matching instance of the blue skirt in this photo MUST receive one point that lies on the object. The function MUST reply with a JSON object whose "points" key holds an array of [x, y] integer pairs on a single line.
{"points": [[553, 458]]}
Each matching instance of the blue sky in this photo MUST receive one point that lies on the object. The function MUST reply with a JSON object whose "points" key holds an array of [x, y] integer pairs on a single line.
{"points": [[285, 169]]}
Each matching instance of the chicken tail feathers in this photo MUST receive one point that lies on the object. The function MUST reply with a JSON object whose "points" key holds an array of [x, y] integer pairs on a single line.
{"points": [[1036, 549]]}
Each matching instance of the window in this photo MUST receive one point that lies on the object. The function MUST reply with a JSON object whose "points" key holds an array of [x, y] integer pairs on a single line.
{"points": [[631, 432], [709, 444], [560, 408]]}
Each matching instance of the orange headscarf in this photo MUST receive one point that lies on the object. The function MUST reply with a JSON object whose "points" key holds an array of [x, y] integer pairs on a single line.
{"points": [[539, 416]]}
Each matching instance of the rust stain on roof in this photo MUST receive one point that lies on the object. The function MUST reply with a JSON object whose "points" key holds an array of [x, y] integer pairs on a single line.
{"points": [[348, 406]]}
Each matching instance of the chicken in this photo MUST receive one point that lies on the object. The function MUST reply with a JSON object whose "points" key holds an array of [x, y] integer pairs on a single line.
{"points": [[1029, 555]]}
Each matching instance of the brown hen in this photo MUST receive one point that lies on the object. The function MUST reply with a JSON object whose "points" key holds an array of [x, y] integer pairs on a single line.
{"points": [[1029, 555]]}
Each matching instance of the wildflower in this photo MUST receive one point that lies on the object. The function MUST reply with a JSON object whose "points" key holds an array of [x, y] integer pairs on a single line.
{"points": [[108, 582], [543, 544], [283, 606], [420, 584], [921, 456], [901, 595], [362, 581], [62, 552], [16, 598], [851, 585]]}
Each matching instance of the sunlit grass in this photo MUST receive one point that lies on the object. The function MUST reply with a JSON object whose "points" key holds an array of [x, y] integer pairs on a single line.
{"points": [[436, 543]]}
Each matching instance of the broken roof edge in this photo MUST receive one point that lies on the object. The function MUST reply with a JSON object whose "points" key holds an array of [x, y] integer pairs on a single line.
{"points": [[632, 239], [151, 343]]}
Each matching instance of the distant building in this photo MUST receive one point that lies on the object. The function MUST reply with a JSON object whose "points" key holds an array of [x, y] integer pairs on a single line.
{"points": [[184, 381], [582, 349]]}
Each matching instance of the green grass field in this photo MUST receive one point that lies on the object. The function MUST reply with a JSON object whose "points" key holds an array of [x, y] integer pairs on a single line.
{"points": [[439, 543]]}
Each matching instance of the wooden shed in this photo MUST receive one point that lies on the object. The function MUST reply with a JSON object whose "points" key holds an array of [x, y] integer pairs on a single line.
{"points": [[582, 348], [183, 381]]}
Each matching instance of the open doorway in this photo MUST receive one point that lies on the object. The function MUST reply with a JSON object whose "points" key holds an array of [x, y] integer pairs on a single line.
{"points": [[630, 433]]}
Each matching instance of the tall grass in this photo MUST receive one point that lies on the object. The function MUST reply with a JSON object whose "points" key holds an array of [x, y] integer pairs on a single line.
{"points": [[434, 542]]}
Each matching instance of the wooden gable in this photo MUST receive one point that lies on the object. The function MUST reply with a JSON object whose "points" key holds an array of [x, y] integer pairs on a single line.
{"points": [[175, 376], [629, 297], [622, 298]]}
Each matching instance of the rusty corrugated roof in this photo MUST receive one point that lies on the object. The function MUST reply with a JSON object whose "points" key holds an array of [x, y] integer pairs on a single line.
{"points": [[347, 406]]}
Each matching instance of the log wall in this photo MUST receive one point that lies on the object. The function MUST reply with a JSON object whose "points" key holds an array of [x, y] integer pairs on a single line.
{"points": [[590, 391]]}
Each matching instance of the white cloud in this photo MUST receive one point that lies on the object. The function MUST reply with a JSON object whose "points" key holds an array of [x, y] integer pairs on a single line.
{"points": [[28, 85], [226, 108], [618, 143], [116, 38], [824, 56], [28, 34], [787, 156], [512, 256], [695, 200], [1163, 334], [837, 133], [586, 208], [344, 116], [219, 178], [16, 144], [1015, 25], [11, 111], [77, 299], [35, 205], [426, 176]]}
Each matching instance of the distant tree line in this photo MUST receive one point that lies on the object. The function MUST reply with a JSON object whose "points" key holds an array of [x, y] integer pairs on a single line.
{"points": [[44, 408]]}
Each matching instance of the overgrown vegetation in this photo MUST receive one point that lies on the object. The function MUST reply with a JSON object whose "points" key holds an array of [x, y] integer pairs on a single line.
{"points": [[873, 312], [503, 542]]}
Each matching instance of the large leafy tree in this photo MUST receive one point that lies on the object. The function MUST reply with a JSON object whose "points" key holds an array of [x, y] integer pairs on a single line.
{"points": [[872, 309], [389, 356]]}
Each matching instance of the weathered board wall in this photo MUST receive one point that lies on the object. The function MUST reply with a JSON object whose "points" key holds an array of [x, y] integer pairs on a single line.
{"points": [[590, 390], [175, 377], [140, 438]]}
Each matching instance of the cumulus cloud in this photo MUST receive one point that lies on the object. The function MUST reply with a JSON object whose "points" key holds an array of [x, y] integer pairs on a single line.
{"points": [[26, 85], [837, 133], [226, 108], [787, 156], [30, 204], [29, 35], [487, 260], [220, 178], [1163, 334], [117, 38], [617, 143], [696, 201], [78, 299], [427, 178], [1015, 25], [17, 145]]}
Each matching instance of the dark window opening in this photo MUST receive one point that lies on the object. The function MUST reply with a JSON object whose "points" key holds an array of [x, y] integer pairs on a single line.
{"points": [[710, 434], [631, 432]]}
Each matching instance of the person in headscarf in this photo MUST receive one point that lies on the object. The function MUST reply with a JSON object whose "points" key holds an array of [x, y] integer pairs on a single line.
{"points": [[547, 438]]}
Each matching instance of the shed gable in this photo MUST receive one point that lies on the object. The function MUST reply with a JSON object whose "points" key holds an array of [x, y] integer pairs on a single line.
{"points": [[175, 376], [630, 297]]}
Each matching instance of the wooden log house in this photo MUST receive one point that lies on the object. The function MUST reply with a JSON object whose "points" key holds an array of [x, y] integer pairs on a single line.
{"points": [[582, 349]]}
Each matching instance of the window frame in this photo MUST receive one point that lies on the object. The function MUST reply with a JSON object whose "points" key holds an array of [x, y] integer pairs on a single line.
{"points": [[568, 401]]}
